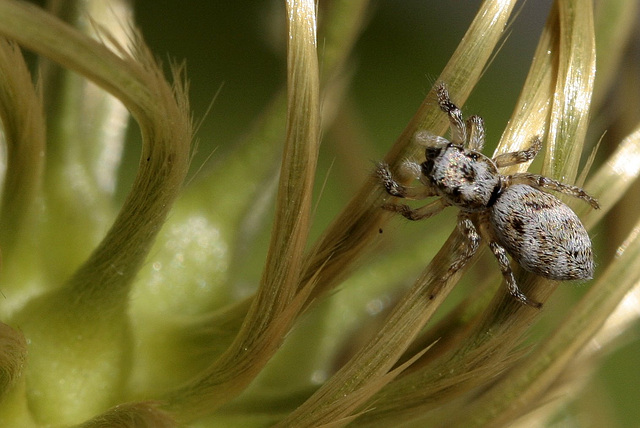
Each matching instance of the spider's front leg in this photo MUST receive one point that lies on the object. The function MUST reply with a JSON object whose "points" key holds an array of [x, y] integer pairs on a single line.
{"points": [[470, 133], [501, 255], [514, 158], [419, 213], [458, 127]]}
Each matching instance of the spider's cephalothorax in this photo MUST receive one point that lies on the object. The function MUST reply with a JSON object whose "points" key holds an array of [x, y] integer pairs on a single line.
{"points": [[540, 232], [465, 178]]}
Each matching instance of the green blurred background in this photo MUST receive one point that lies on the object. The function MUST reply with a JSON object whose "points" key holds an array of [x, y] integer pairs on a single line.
{"points": [[241, 45]]}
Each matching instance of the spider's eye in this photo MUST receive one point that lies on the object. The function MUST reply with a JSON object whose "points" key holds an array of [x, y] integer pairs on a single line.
{"points": [[432, 152]]}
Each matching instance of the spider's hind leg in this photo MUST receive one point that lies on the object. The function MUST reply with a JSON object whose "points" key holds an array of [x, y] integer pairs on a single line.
{"points": [[542, 182], [501, 255], [468, 229]]}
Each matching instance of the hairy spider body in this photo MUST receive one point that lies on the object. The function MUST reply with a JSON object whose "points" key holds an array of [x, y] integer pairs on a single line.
{"points": [[541, 234], [512, 212], [464, 178]]}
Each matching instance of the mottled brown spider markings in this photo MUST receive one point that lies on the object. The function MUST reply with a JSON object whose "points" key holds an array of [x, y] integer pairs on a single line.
{"points": [[514, 214]]}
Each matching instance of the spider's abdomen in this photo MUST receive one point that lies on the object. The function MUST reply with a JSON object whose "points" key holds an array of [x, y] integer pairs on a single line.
{"points": [[465, 178], [542, 234]]}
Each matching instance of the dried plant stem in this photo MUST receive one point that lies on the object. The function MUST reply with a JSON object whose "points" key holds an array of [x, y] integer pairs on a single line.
{"points": [[24, 133], [574, 88], [141, 87], [612, 180], [358, 224], [275, 305], [360, 376], [352, 232], [13, 354], [132, 415]]}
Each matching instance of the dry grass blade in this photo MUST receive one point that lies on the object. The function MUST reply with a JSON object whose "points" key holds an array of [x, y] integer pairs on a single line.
{"points": [[24, 134], [258, 339], [531, 114], [573, 89], [13, 354], [132, 415], [507, 320], [352, 231], [359, 379], [140, 84], [238, 215], [613, 178], [615, 22]]}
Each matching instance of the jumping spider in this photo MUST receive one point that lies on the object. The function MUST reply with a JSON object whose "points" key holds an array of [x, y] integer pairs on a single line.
{"points": [[512, 212]]}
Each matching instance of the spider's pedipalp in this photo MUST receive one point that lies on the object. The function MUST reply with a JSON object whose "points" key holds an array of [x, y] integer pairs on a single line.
{"points": [[395, 188], [411, 169], [475, 131], [427, 139]]}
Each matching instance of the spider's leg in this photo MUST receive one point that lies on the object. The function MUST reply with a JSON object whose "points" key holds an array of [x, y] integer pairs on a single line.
{"points": [[513, 158], [395, 188], [475, 131], [542, 182], [419, 213], [458, 127], [470, 233], [507, 273]]}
